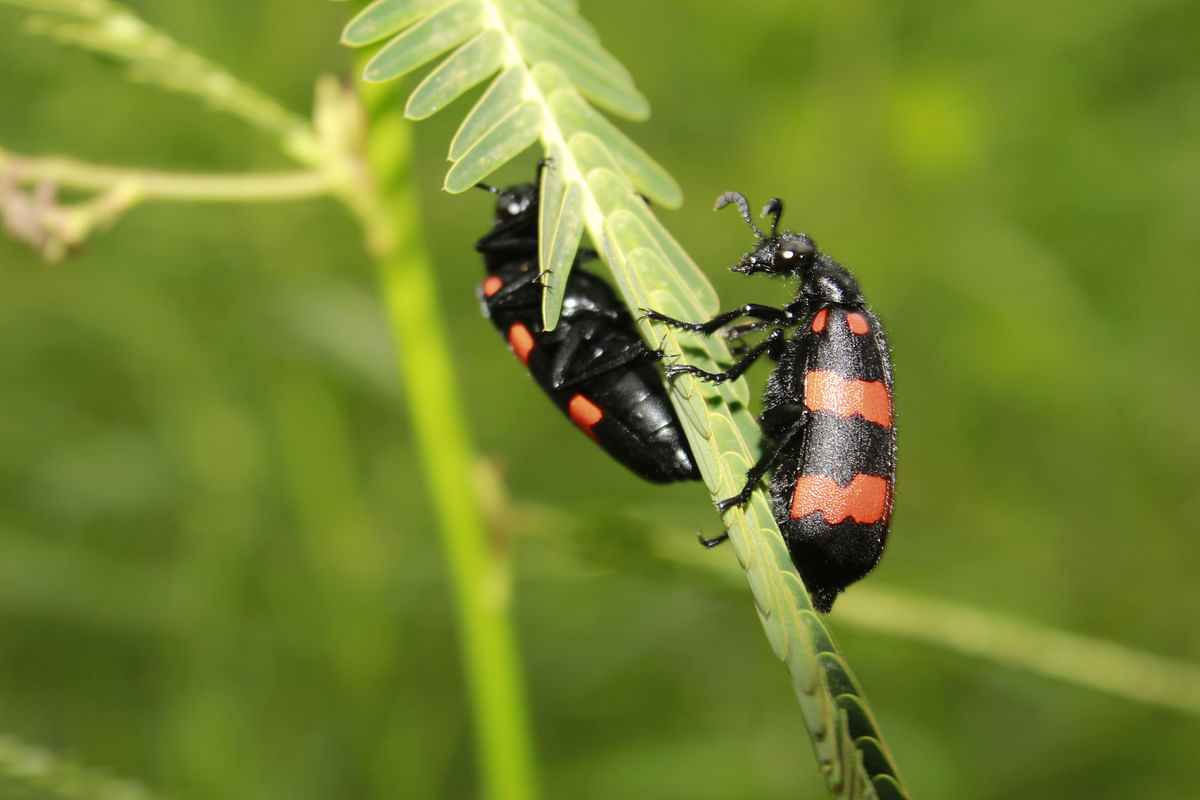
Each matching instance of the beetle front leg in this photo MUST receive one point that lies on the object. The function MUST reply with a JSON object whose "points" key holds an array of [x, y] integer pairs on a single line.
{"points": [[768, 313], [769, 344], [791, 411]]}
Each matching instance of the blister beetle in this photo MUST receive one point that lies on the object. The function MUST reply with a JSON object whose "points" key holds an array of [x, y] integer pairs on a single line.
{"points": [[829, 437], [593, 365]]}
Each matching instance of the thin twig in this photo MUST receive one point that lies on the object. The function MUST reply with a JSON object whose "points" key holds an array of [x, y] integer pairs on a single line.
{"points": [[200, 187]]}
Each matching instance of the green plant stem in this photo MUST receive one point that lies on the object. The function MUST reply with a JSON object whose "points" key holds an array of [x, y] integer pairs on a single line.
{"points": [[236, 187], [1075, 659], [387, 210], [115, 32], [1070, 657], [479, 570]]}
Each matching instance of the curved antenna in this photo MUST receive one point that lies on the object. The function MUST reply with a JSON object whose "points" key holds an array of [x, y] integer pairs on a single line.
{"points": [[739, 200], [774, 207]]}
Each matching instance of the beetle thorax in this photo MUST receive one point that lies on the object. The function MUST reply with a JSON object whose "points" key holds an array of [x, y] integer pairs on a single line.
{"points": [[828, 281]]}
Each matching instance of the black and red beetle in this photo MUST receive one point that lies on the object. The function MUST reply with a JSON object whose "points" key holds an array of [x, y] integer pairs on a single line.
{"points": [[828, 429], [593, 365]]}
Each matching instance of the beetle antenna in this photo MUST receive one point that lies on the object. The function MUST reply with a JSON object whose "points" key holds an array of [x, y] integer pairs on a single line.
{"points": [[774, 207], [739, 200], [487, 188]]}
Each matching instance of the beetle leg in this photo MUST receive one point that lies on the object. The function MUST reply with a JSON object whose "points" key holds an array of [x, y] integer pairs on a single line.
{"points": [[768, 344], [770, 458], [768, 313]]}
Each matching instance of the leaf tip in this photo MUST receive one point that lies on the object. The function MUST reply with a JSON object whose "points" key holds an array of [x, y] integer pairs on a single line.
{"points": [[454, 186], [670, 196], [638, 109], [354, 34], [418, 114]]}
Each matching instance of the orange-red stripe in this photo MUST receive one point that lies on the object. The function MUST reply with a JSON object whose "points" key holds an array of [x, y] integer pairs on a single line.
{"points": [[521, 341], [818, 323], [865, 500], [828, 391], [857, 323], [585, 414], [491, 285]]}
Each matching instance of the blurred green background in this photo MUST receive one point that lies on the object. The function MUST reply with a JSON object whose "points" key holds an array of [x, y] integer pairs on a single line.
{"points": [[218, 568]]}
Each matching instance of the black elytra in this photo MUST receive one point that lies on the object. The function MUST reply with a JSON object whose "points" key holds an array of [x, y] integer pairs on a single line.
{"points": [[829, 437], [593, 365]]}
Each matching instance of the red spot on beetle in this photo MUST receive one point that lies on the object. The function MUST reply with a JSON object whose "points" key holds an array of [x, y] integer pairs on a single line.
{"points": [[818, 323], [857, 323], [828, 391], [865, 499], [491, 285], [585, 414], [521, 341]]}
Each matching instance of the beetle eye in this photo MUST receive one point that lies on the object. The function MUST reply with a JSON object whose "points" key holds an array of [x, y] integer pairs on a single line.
{"points": [[789, 255], [794, 252]]}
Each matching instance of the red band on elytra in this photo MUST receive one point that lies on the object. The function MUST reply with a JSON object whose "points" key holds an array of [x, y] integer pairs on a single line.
{"points": [[828, 391], [865, 500]]}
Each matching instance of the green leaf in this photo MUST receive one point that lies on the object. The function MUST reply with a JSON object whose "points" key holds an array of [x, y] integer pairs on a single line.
{"points": [[515, 131], [466, 66], [686, 278], [522, 38], [499, 99], [426, 40], [888, 788], [874, 759], [384, 18], [575, 116], [593, 71], [551, 16], [560, 226]]}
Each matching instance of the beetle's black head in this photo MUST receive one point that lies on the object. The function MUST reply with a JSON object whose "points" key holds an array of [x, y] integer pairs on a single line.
{"points": [[792, 255], [513, 201], [787, 254]]}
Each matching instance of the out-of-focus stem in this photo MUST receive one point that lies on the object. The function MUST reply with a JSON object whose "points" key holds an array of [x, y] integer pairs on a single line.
{"points": [[207, 187], [479, 572]]}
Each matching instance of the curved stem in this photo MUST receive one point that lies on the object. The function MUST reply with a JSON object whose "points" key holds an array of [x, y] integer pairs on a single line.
{"points": [[478, 569], [243, 187], [113, 31], [1105, 666]]}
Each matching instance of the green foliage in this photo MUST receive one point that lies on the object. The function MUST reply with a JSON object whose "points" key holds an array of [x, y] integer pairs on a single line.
{"points": [[545, 57], [219, 570], [550, 62]]}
